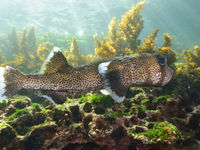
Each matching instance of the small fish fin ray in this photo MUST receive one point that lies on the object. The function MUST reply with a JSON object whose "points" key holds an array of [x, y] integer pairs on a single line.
{"points": [[55, 62], [10, 82], [56, 97]]}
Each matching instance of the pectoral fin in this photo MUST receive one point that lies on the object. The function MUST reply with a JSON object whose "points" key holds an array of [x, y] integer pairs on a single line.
{"points": [[112, 82]]}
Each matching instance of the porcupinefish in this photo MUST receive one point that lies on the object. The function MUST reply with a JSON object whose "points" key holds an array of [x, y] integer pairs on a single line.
{"points": [[113, 76]]}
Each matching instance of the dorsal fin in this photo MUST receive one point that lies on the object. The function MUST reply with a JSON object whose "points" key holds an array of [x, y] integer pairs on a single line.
{"points": [[55, 62]]}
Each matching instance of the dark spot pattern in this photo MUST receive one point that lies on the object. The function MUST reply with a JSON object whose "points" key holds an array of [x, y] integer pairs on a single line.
{"points": [[142, 69]]}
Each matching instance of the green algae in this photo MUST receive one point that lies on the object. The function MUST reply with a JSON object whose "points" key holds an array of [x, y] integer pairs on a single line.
{"points": [[59, 112], [44, 110], [36, 107], [18, 113], [3, 104], [116, 115], [140, 96], [83, 99], [145, 101], [19, 99], [161, 98], [4, 124], [137, 107], [49, 123], [161, 132], [95, 99], [105, 100]]}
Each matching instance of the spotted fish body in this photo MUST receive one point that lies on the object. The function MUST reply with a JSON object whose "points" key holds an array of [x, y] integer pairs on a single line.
{"points": [[115, 75]]}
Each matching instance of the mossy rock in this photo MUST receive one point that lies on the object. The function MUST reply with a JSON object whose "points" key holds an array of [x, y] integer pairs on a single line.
{"points": [[39, 134], [96, 99], [36, 107], [7, 135], [164, 132], [23, 120], [99, 110], [76, 115], [161, 98], [39, 118], [104, 100], [59, 112], [87, 107], [3, 104], [83, 99], [10, 110], [18, 113], [115, 115], [20, 103]]}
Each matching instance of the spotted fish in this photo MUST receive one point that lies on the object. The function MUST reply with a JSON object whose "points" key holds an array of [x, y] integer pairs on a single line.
{"points": [[113, 76]]}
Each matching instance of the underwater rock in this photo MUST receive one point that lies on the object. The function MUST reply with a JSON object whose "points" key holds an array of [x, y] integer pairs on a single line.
{"points": [[127, 104], [87, 107], [20, 104], [132, 124], [133, 91], [86, 121], [39, 134], [7, 135], [76, 115], [59, 112], [10, 110], [99, 110], [134, 120], [3, 105], [141, 114], [194, 121], [38, 118], [139, 129], [24, 120]]}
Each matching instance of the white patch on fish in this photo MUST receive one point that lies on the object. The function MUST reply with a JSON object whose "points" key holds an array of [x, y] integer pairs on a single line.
{"points": [[103, 67], [2, 84], [104, 92], [55, 49]]}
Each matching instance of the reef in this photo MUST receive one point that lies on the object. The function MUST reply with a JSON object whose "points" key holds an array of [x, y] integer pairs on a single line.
{"points": [[144, 121]]}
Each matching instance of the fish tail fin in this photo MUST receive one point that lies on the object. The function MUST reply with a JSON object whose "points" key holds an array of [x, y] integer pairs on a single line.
{"points": [[11, 81]]}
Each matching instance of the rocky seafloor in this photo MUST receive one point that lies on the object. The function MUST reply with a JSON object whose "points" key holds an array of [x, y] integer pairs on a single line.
{"points": [[145, 121]]}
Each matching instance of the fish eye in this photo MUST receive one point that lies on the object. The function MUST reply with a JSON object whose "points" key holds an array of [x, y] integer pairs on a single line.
{"points": [[161, 60]]}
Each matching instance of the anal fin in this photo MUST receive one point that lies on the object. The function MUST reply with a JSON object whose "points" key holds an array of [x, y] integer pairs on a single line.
{"points": [[56, 97]]}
